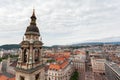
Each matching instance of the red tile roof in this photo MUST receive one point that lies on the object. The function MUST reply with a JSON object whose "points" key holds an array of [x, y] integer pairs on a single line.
{"points": [[79, 52], [64, 64], [58, 66], [60, 59], [54, 66], [3, 77]]}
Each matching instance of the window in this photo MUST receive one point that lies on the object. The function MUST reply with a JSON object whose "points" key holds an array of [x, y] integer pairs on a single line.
{"points": [[25, 56], [36, 37], [37, 76], [36, 55], [22, 78]]}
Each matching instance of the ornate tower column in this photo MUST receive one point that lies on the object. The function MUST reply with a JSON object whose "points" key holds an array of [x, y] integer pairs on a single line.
{"points": [[29, 65]]}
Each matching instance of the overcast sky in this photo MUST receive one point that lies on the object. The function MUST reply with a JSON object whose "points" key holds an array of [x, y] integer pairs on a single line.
{"points": [[60, 21]]}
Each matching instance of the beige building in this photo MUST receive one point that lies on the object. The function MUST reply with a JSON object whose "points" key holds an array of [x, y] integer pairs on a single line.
{"points": [[30, 65], [78, 62], [61, 70], [98, 65]]}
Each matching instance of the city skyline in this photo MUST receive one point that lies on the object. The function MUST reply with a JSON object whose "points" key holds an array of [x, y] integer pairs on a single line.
{"points": [[60, 22]]}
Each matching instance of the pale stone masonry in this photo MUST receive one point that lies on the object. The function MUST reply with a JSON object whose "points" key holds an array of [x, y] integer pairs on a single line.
{"points": [[30, 64]]}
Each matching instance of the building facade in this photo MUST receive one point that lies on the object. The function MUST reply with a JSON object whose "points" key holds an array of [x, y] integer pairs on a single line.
{"points": [[78, 62], [61, 70], [30, 65], [98, 65]]}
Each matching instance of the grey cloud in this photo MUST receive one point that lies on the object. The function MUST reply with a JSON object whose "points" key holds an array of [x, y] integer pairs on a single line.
{"points": [[67, 20]]}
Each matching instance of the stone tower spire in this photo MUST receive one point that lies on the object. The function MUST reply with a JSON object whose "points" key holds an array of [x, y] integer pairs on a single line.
{"points": [[32, 28], [30, 64], [33, 18]]}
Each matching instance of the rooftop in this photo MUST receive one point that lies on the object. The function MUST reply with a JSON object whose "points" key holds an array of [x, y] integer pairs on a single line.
{"points": [[114, 67], [58, 66], [7, 76]]}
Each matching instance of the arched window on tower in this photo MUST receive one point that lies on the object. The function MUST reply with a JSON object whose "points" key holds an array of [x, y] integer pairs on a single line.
{"points": [[22, 78], [25, 56], [36, 55], [37, 76]]}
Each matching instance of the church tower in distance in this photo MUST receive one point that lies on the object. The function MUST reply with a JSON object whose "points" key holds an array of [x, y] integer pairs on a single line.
{"points": [[30, 65]]}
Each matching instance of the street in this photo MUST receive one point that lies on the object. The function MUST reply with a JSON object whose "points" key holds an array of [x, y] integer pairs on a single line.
{"points": [[89, 75]]}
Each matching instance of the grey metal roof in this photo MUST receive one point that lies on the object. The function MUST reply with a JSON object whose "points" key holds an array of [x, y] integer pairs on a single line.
{"points": [[8, 75], [114, 67]]}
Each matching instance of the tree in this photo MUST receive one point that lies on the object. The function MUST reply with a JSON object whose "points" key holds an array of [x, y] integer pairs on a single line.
{"points": [[75, 76], [0, 59]]}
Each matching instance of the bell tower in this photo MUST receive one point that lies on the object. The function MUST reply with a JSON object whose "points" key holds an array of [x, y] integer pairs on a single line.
{"points": [[30, 65]]}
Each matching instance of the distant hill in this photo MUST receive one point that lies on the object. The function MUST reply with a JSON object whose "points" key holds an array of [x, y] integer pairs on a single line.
{"points": [[10, 46], [111, 40], [95, 43], [15, 46]]}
